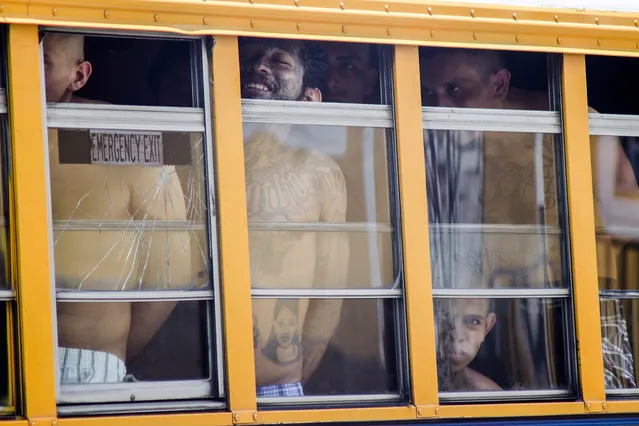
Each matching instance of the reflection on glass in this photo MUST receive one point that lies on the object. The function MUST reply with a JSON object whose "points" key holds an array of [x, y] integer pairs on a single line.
{"points": [[5, 279], [6, 367], [314, 194], [324, 347], [618, 354], [128, 210], [501, 344], [467, 78], [178, 351], [492, 205]]}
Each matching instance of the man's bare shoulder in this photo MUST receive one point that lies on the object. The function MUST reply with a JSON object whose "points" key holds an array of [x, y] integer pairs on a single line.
{"points": [[477, 381], [79, 100]]}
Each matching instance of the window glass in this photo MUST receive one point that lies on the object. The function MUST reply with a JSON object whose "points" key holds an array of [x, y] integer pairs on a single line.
{"points": [[467, 78], [495, 211], [322, 219], [501, 344], [614, 146], [132, 253]]}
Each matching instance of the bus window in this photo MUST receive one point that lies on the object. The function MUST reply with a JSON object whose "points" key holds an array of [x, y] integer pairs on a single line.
{"points": [[497, 234], [614, 145], [322, 220], [133, 222]]}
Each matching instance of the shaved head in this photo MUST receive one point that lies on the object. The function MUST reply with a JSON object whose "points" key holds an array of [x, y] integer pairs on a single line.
{"points": [[66, 71]]}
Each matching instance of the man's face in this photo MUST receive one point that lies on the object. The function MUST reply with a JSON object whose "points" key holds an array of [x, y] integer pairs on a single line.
{"points": [[285, 327], [454, 80], [271, 70], [350, 77], [471, 322], [60, 66]]}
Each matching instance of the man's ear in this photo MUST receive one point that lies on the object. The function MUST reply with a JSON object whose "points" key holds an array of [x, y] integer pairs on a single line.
{"points": [[491, 319], [312, 95], [82, 73], [371, 81], [499, 83]]}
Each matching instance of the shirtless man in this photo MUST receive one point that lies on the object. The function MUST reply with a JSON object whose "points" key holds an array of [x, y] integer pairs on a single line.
{"points": [[479, 79], [471, 320], [96, 338], [290, 185]]}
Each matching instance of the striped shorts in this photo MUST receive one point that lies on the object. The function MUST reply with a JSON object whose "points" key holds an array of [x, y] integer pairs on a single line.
{"points": [[82, 366], [284, 389]]}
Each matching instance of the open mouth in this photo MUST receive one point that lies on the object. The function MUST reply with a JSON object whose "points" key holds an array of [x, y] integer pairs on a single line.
{"points": [[257, 88]]}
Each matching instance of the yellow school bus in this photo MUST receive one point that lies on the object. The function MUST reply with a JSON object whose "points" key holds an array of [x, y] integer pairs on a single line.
{"points": [[223, 212]]}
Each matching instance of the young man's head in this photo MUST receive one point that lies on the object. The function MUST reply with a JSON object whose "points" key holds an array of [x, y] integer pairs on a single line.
{"points": [[469, 321], [287, 70], [65, 69], [463, 78], [352, 72]]}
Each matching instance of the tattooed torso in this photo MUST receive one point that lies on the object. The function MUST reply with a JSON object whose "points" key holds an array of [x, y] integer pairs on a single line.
{"points": [[284, 185]]}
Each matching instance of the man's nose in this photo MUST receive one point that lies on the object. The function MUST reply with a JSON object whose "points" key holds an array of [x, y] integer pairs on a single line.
{"points": [[443, 101], [333, 82], [260, 67]]}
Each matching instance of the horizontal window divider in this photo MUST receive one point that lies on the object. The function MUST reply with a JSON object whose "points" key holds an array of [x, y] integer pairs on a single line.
{"points": [[494, 229], [316, 113], [618, 294], [618, 231], [500, 293], [7, 295], [330, 399], [326, 293], [503, 395], [3, 101], [185, 225], [125, 118], [623, 392], [613, 124], [139, 407], [134, 391], [491, 120], [132, 295]]}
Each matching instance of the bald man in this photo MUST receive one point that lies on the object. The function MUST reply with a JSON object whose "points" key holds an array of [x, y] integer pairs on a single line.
{"points": [[96, 338]]}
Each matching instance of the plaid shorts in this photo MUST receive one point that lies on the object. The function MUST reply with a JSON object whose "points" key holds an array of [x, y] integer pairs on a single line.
{"points": [[284, 389]]}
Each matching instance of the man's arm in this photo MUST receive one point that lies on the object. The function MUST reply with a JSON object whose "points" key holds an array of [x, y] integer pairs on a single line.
{"points": [[164, 256], [331, 269]]}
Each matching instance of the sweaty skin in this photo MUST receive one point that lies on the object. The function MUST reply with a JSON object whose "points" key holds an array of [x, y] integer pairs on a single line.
{"points": [[290, 185], [109, 260]]}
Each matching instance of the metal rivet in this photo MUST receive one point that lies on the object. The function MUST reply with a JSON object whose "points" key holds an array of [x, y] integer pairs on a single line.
{"points": [[420, 411], [132, 397], [430, 11], [598, 42], [638, 45], [255, 416], [588, 406], [54, 423], [299, 26], [106, 14], [341, 5], [251, 1], [297, 3], [54, 11], [344, 29], [32, 423], [558, 40], [597, 21], [472, 12], [556, 18], [432, 34], [388, 31], [386, 8], [517, 38], [205, 20], [252, 23], [636, 22], [156, 17], [515, 16], [475, 36], [604, 406], [437, 411], [236, 417], [1, 8]]}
